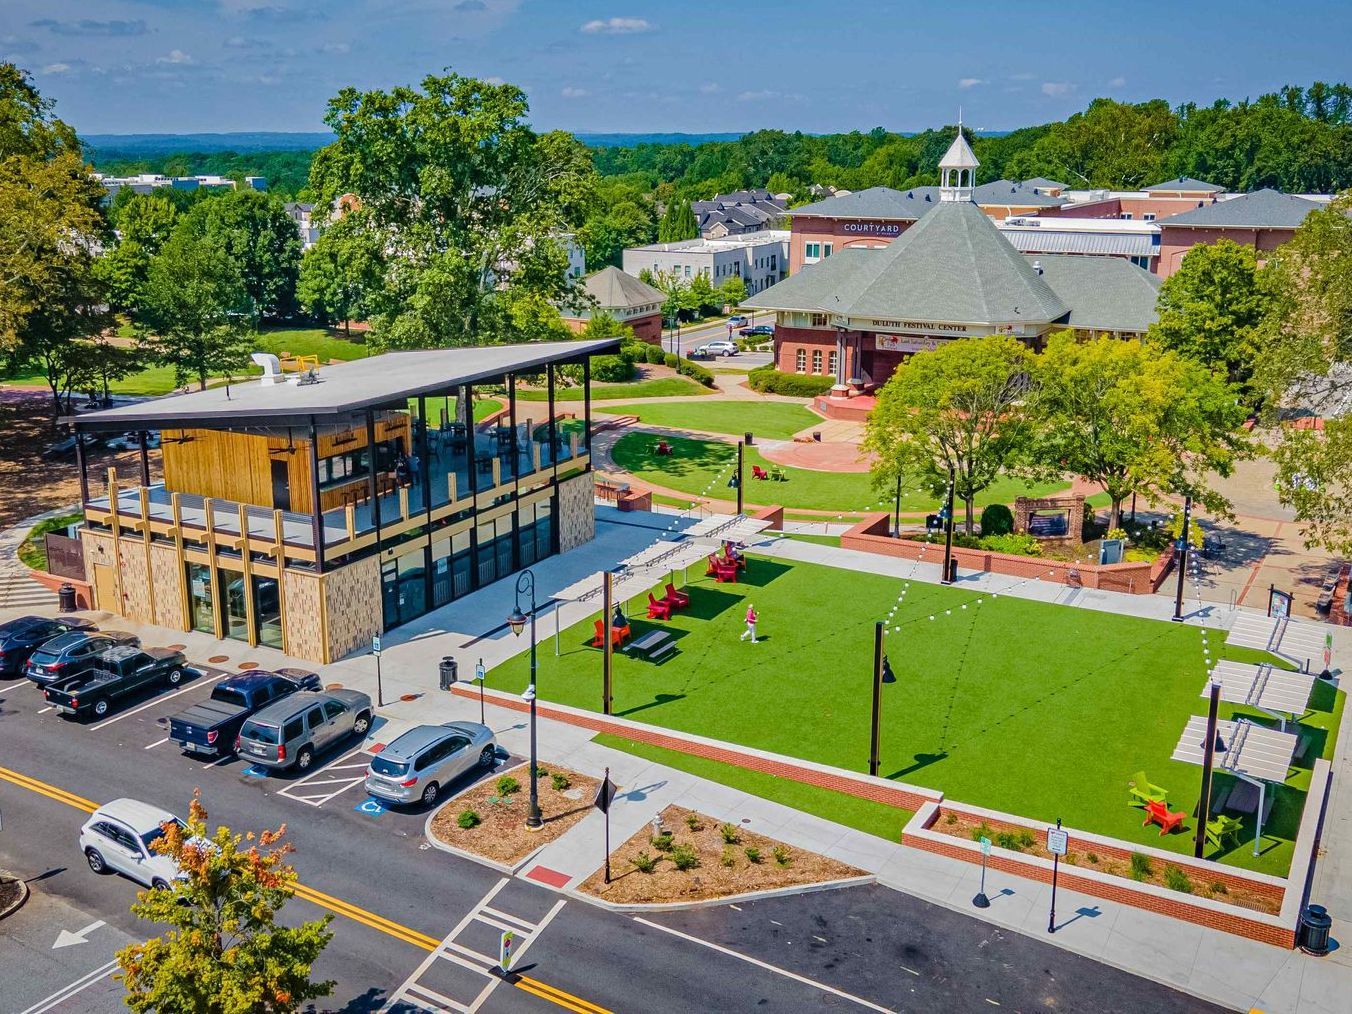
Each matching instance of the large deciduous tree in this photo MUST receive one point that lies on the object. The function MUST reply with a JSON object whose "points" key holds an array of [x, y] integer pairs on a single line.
{"points": [[196, 313], [143, 224], [339, 275], [468, 202], [254, 231], [224, 951], [958, 409], [1212, 307], [1136, 418]]}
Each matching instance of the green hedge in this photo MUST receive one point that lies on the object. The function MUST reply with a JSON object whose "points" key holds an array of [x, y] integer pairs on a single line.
{"points": [[768, 380], [612, 369], [695, 372], [997, 519]]}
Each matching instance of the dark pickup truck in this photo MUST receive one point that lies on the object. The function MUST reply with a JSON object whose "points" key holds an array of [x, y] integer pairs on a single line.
{"points": [[210, 728], [116, 673]]}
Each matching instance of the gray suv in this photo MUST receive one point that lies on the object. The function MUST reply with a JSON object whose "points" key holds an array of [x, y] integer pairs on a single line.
{"points": [[290, 732], [416, 766]]}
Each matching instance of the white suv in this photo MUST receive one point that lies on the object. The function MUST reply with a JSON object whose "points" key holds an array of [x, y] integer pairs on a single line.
{"points": [[117, 839], [719, 347]]}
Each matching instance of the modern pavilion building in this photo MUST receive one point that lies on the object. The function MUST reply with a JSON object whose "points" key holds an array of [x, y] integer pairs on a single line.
{"points": [[316, 507], [859, 314]]}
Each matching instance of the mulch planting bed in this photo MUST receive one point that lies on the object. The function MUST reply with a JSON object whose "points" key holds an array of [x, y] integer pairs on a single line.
{"points": [[501, 834], [1155, 871], [11, 891], [720, 867]]}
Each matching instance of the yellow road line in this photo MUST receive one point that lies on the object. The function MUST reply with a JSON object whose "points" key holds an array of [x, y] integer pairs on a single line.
{"points": [[336, 905]]}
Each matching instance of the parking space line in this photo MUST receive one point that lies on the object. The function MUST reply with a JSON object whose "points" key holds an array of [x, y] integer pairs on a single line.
{"points": [[156, 743], [300, 790], [445, 1002], [47, 709], [70, 989], [159, 699]]}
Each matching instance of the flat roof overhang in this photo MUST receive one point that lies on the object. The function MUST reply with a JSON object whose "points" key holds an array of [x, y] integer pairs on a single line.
{"points": [[341, 390]]}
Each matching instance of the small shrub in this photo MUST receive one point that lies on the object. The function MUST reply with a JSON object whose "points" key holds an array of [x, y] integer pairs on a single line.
{"points": [[654, 354], [768, 380], [663, 842], [1016, 545], [1219, 888], [997, 519], [644, 863], [1140, 866], [507, 785], [1175, 879], [1091, 857], [730, 834], [540, 773], [669, 359], [695, 372], [559, 782], [685, 857], [729, 857], [1026, 839], [752, 854], [1010, 840], [782, 855], [693, 822], [468, 819], [983, 830], [611, 369], [950, 818]]}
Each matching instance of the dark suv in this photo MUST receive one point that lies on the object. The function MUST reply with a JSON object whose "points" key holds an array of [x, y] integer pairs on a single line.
{"points": [[72, 653], [19, 638]]}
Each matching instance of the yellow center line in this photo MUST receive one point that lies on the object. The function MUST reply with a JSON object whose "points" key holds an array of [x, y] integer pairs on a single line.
{"points": [[336, 905]]}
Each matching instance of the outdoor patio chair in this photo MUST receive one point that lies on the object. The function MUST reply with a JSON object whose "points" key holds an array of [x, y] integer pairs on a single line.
{"points": [[721, 571], [618, 635], [738, 561], [759, 473], [777, 474], [1158, 813], [1222, 830], [678, 598], [1142, 792], [658, 610]]}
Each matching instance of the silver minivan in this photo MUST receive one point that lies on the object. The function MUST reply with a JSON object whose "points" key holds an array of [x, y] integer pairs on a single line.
{"points": [[290, 732], [416, 766]]}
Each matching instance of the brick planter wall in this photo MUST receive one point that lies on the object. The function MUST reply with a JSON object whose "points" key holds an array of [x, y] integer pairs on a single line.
{"points": [[870, 536], [773, 514]]}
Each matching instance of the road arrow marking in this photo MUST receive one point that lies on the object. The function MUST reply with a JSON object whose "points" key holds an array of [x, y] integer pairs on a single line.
{"points": [[68, 939]]}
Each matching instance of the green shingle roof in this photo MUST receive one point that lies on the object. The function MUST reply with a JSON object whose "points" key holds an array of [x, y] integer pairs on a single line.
{"points": [[1188, 184], [1262, 209], [1103, 293]]}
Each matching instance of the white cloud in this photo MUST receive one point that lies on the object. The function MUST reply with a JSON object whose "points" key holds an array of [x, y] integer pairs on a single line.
{"points": [[339, 48], [763, 95], [574, 93], [495, 80], [1118, 82], [56, 68], [710, 88], [971, 82], [617, 26], [176, 56], [1057, 89]]}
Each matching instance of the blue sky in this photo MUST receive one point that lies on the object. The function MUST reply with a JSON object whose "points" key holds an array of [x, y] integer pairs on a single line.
{"points": [[683, 65]]}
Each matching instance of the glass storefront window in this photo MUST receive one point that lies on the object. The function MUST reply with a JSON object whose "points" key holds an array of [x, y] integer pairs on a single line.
{"points": [[200, 598], [235, 616], [267, 612]]}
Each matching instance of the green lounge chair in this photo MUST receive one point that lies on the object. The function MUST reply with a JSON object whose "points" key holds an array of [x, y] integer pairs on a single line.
{"points": [[1143, 792], [1222, 830]]}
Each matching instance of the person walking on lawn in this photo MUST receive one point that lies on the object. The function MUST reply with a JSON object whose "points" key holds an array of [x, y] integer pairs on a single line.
{"points": [[750, 630]]}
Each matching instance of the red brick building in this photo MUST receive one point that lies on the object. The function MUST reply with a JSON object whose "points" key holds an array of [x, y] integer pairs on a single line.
{"points": [[628, 299]]}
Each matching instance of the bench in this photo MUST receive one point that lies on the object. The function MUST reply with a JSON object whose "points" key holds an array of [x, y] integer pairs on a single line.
{"points": [[654, 645]]}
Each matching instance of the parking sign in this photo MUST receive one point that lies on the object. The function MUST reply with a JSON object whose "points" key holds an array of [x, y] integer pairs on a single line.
{"points": [[1057, 840]]}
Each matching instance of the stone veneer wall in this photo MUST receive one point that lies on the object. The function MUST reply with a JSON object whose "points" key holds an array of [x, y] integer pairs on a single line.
{"points": [[577, 512], [169, 577], [98, 549], [353, 603], [304, 632]]}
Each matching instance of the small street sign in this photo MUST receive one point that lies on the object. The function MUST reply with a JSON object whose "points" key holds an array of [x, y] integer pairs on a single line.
{"points": [[985, 845], [605, 795], [479, 671], [1057, 841], [375, 644], [505, 950]]}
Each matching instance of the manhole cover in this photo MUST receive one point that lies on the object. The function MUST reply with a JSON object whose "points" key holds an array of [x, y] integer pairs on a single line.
{"points": [[409, 697], [248, 665], [218, 659], [177, 647], [333, 686]]}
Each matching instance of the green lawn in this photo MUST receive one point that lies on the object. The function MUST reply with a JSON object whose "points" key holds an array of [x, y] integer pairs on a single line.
{"points": [[660, 387], [33, 549], [863, 814], [1035, 709], [157, 380], [772, 420], [483, 408], [694, 464]]}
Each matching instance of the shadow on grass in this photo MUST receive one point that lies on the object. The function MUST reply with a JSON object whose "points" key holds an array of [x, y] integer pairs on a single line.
{"points": [[656, 702], [922, 760]]}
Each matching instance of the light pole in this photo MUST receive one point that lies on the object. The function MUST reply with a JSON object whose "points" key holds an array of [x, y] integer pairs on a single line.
{"points": [[517, 621], [1182, 558], [947, 576], [882, 673]]}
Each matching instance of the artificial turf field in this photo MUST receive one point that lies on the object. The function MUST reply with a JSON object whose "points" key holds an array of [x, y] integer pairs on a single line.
{"points": [[1039, 710]]}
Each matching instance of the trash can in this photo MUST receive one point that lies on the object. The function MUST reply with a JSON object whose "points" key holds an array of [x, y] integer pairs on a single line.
{"points": [[66, 598], [1313, 937], [750, 439], [448, 670], [817, 435]]}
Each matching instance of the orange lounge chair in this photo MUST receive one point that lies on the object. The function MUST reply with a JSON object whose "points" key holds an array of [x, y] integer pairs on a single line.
{"points": [[1158, 813], [618, 635]]}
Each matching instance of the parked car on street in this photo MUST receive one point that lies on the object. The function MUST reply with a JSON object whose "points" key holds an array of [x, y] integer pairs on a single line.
{"points": [[116, 673], [72, 653], [290, 732], [718, 347], [132, 441], [737, 320], [421, 762], [118, 836], [758, 330], [20, 637], [211, 727]]}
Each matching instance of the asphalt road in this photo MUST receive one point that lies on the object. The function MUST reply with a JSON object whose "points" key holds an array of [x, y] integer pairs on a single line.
{"points": [[694, 335], [410, 920]]}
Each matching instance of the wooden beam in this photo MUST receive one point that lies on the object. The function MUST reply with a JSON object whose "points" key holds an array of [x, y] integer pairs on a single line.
{"points": [[185, 606], [250, 620], [145, 545]]}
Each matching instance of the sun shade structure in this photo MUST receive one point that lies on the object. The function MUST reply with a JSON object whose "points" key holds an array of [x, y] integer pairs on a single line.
{"points": [[719, 528], [1276, 692], [1252, 753]]}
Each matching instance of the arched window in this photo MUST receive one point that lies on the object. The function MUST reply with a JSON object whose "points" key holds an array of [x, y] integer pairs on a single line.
{"points": [[831, 363], [800, 361]]}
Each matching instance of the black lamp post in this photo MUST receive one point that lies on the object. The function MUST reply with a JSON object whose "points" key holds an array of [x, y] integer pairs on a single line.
{"points": [[947, 576], [517, 621], [882, 673], [1182, 558]]}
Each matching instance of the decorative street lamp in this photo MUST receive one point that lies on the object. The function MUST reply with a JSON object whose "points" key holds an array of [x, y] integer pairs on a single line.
{"points": [[947, 576], [517, 621], [882, 673]]}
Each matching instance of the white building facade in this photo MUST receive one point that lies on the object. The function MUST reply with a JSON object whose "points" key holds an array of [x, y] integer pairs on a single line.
{"points": [[758, 259]]}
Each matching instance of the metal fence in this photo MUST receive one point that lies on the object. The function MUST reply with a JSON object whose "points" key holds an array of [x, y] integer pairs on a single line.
{"points": [[65, 556]]}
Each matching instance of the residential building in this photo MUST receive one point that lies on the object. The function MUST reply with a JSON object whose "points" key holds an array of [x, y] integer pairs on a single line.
{"points": [[739, 213], [303, 216], [626, 298], [760, 259], [953, 274], [317, 507]]}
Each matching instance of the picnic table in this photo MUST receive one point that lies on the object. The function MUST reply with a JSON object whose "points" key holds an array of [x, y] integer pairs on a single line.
{"points": [[654, 645]]}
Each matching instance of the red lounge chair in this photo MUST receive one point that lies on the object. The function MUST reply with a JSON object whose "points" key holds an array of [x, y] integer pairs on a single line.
{"points": [[618, 635], [1158, 813], [721, 570], [759, 473], [677, 598], [658, 610], [727, 560]]}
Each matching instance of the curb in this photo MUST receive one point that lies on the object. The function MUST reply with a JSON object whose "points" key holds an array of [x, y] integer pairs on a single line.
{"points": [[18, 902], [679, 906], [492, 864]]}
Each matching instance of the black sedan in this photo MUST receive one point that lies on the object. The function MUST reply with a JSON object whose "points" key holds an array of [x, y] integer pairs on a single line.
{"points": [[73, 653], [18, 638], [757, 331]]}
